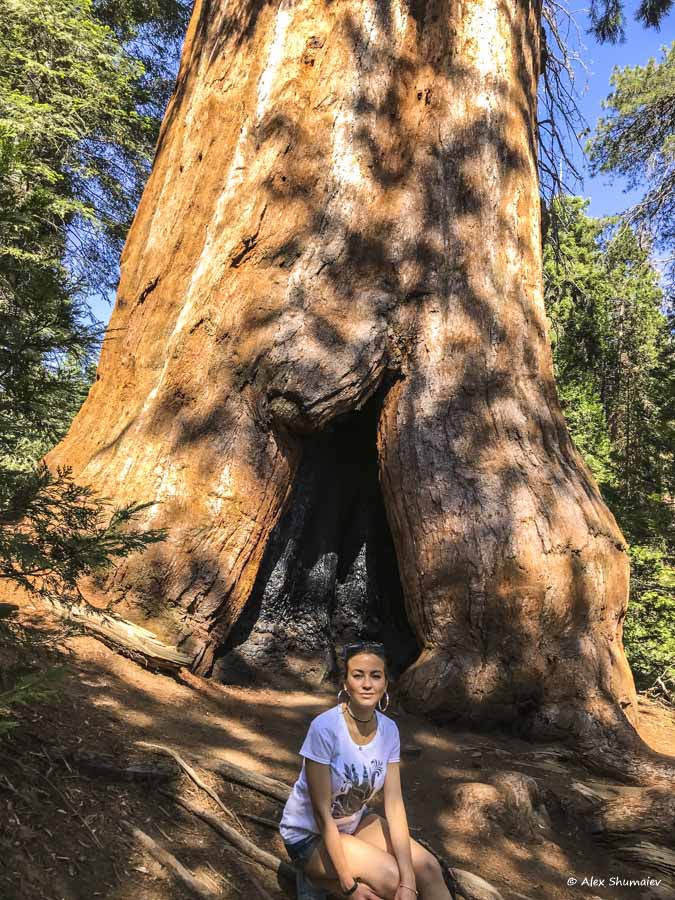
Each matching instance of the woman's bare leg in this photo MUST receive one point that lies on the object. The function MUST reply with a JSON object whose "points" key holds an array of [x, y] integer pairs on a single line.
{"points": [[374, 830], [373, 865]]}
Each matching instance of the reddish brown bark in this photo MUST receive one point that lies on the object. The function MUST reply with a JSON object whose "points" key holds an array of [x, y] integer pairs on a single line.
{"points": [[344, 205]]}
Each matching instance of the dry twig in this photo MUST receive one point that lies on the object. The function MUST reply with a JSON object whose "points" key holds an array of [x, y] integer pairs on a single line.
{"points": [[247, 847], [196, 885], [261, 820], [193, 775]]}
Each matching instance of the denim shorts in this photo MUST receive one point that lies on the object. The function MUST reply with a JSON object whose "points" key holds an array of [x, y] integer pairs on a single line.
{"points": [[300, 851]]}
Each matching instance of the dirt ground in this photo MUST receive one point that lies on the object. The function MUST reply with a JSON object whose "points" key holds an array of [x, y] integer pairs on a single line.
{"points": [[62, 832]]}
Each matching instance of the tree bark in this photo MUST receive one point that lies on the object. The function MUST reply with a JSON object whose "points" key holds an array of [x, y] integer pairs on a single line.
{"points": [[636, 813], [341, 235]]}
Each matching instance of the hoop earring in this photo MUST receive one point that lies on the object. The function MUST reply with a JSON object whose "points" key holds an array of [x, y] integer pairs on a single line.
{"points": [[342, 691], [386, 705]]}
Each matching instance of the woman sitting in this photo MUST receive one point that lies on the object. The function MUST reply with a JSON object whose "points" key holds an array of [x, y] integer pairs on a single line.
{"points": [[350, 752]]}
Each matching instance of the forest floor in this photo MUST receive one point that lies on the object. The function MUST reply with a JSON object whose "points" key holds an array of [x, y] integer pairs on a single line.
{"points": [[62, 834]]}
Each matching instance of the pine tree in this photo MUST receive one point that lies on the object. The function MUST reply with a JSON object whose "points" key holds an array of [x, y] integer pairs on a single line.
{"points": [[81, 97], [614, 357], [636, 139]]}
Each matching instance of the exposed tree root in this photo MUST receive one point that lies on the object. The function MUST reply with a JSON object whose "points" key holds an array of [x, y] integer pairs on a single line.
{"points": [[626, 820], [603, 740], [637, 822], [636, 812], [247, 847], [472, 887], [629, 765], [517, 796], [196, 885], [601, 737], [261, 893], [648, 857], [511, 804], [260, 820], [193, 775]]}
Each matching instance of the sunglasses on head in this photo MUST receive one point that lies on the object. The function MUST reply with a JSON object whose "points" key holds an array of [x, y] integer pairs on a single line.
{"points": [[364, 647]]}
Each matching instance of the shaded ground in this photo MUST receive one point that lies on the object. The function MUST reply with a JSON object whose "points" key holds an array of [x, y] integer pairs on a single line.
{"points": [[61, 833]]}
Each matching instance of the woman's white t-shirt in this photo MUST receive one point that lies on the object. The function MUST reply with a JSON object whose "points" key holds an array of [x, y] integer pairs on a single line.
{"points": [[357, 773]]}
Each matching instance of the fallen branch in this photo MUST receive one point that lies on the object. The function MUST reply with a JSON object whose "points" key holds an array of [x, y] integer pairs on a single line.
{"points": [[270, 787], [90, 764], [260, 820], [247, 847], [196, 885], [193, 775], [124, 635], [664, 687]]}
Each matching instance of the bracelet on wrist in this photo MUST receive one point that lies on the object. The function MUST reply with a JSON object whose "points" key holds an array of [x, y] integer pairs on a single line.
{"points": [[357, 882], [408, 888]]}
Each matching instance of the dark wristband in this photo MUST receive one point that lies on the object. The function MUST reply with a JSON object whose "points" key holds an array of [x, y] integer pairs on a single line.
{"points": [[357, 882]]}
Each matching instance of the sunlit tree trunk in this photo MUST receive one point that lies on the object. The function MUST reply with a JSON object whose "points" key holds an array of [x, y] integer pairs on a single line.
{"points": [[343, 215]]}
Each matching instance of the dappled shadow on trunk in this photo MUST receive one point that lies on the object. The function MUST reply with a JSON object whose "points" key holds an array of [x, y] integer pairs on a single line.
{"points": [[343, 210]]}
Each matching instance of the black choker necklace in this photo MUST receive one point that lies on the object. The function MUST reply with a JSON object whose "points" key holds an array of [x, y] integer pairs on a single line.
{"points": [[359, 720]]}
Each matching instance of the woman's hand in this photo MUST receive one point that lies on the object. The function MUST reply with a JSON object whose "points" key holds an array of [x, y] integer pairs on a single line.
{"points": [[363, 892], [404, 892]]}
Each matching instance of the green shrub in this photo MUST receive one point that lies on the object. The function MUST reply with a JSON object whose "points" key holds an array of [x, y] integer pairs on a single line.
{"points": [[649, 629], [35, 687]]}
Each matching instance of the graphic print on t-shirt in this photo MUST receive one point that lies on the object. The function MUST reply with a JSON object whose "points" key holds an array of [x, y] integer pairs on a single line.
{"points": [[356, 791], [357, 773]]}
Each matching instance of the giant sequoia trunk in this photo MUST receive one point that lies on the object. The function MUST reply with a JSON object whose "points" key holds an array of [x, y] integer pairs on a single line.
{"points": [[328, 362]]}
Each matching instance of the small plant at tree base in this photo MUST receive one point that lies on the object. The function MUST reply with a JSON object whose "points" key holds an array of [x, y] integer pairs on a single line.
{"points": [[19, 687], [36, 687], [53, 531]]}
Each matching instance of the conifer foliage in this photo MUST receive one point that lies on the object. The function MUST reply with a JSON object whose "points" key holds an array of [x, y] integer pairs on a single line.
{"points": [[614, 354], [635, 138], [82, 92]]}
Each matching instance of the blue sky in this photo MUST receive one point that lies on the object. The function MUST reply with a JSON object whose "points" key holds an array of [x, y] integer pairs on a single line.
{"points": [[606, 195]]}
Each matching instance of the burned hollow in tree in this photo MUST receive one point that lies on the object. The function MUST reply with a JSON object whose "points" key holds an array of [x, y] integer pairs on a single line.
{"points": [[329, 574]]}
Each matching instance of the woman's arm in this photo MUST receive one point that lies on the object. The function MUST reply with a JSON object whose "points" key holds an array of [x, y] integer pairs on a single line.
{"points": [[318, 780], [394, 810]]}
